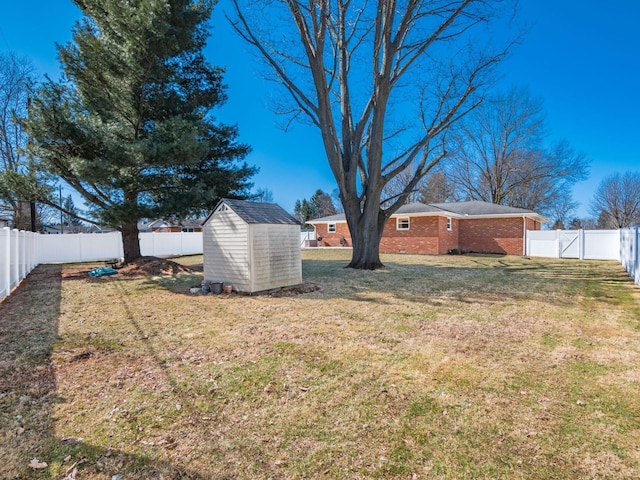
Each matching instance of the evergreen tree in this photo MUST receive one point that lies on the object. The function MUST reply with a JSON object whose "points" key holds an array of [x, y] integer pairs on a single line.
{"points": [[130, 126], [302, 211], [321, 205], [70, 214]]}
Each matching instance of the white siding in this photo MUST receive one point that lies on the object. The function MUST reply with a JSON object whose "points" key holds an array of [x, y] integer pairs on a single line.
{"points": [[226, 250], [275, 256]]}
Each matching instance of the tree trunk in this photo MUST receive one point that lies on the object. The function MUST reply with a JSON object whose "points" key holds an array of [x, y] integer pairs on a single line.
{"points": [[130, 242], [365, 238], [34, 223]]}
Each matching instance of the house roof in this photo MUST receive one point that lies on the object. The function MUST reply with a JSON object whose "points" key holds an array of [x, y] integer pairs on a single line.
{"points": [[257, 212], [475, 209], [185, 222]]}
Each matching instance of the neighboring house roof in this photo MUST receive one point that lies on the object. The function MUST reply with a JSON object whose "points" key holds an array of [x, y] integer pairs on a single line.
{"points": [[143, 225], [473, 209], [257, 212], [161, 223]]}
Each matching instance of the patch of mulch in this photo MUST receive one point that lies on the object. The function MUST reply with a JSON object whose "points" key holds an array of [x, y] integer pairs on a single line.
{"points": [[294, 290]]}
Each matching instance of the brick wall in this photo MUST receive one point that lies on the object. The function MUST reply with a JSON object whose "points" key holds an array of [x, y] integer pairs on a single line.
{"points": [[494, 235], [333, 239], [421, 238], [430, 236]]}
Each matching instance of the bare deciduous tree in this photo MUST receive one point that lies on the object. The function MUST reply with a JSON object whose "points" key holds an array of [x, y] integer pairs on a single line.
{"points": [[437, 188], [350, 68], [499, 156], [396, 188], [18, 178], [616, 202], [262, 195]]}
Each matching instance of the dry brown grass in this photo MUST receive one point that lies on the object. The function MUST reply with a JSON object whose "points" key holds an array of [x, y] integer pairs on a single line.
{"points": [[434, 367]]}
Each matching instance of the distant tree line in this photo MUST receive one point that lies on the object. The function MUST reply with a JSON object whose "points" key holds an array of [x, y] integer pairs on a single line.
{"points": [[320, 204]]}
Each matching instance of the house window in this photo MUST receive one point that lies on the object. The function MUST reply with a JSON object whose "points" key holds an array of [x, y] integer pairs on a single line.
{"points": [[331, 228], [402, 224], [449, 224], [188, 229]]}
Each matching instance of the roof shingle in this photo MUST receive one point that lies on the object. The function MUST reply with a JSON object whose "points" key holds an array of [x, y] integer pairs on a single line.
{"points": [[472, 208], [256, 212]]}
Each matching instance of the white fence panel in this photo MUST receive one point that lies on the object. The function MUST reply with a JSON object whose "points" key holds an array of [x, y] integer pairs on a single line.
{"points": [[305, 236], [583, 244], [79, 247], [17, 258], [630, 253], [5, 265], [542, 243], [170, 243], [103, 246], [602, 245]]}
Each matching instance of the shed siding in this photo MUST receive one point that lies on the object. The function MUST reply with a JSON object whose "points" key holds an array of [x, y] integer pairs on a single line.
{"points": [[275, 256], [226, 250]]}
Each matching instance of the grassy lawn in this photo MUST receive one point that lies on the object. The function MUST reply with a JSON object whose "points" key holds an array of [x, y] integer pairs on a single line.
{"points": [[464, 367]]}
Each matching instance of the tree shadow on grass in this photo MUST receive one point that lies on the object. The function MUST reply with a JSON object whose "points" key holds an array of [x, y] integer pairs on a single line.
{"points": [[29, 326], [473, 279]]}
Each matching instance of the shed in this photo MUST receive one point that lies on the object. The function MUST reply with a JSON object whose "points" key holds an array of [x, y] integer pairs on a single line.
{"points": [[252, 246]]}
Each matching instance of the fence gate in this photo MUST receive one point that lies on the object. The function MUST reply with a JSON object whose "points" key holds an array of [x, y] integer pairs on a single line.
{"points": [[569, 244]]}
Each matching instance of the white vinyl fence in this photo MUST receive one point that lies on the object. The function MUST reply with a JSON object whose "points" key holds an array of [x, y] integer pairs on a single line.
{"points": [[21, 252], [582, 244], [629, 253], [18, 256], [79, 247], [306, 236], [88, 247], [170, 244]]}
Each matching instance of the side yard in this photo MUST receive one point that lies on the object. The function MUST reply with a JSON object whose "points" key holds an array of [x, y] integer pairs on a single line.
{"points": [[460, 367]]}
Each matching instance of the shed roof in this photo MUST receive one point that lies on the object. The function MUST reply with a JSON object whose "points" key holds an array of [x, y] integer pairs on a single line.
{"points": [[257, 212]]}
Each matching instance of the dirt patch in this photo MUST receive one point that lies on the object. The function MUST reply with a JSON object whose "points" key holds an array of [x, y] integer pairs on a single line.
{"points": [[143, 266], [294, 290], [153, 266]]}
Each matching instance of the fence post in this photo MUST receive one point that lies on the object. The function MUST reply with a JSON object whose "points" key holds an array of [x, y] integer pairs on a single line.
{"points": [[558, 245], [34, 251], [15, 266], [636, 260], [6, 264], [581, 240], [20, 239], [80, 240]]}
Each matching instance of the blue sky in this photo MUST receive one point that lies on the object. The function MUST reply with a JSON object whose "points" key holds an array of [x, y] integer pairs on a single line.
{"points": [[582, 57]]}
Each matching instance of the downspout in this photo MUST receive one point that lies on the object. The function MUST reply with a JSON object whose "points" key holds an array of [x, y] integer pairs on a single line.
{"points": [[524, 236]]}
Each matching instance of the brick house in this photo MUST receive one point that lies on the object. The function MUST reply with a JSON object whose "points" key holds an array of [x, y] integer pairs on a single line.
{"points": [[438, 228]]}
